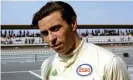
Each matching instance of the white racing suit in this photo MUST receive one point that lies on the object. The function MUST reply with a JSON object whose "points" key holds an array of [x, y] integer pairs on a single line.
{"points": [[91, 62]]}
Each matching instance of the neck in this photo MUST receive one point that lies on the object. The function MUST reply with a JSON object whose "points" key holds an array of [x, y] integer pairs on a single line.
{"points": [[77, 41], [75, 46]]}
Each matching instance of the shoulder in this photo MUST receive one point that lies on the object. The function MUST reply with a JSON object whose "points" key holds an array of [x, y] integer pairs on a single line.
{"points": [[116, 69], [47, 61], [99, 56], [99, 51], [116, 62], [46, 65]]}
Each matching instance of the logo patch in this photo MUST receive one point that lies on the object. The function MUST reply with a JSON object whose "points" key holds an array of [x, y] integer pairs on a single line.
{"points": [[84, 69]]}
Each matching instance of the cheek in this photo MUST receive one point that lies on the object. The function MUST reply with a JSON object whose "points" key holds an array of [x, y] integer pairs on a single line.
{"points": [[61, 35], [64, 35]]}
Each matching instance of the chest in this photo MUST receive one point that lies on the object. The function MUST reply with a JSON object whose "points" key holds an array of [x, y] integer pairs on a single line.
{"points": [[82, 69], [81, 72]]}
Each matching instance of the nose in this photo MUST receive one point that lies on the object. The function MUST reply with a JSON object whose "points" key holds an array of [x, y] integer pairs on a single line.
{"points": [[52, 38]]}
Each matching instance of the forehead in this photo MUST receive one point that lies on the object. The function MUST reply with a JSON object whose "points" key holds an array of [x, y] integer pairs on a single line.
{"points": [[50, 20]]}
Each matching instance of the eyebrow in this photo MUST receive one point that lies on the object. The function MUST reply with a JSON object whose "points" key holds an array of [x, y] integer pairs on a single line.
{"points": [[43, 31]]}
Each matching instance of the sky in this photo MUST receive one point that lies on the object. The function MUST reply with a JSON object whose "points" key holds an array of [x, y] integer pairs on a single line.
{"points": [[88, 12]]}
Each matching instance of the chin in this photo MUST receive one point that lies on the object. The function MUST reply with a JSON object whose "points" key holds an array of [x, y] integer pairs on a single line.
{"points": [[58, 51], [61, 52]]}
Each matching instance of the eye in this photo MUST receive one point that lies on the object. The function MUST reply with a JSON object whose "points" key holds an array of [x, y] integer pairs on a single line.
{"points": [[44, 33], [55, 28]]}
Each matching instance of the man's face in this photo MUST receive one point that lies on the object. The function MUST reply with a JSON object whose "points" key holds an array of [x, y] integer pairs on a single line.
{"points": [[57, 33]]}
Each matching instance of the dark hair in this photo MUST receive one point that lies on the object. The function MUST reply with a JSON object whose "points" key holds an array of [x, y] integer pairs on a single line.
{"points": [[67, 12]]}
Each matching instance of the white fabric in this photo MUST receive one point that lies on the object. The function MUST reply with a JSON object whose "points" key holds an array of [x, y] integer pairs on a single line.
{"points": [[105, 65]]}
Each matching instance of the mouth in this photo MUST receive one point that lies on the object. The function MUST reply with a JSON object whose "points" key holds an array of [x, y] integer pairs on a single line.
{"points": [[56, 46]]}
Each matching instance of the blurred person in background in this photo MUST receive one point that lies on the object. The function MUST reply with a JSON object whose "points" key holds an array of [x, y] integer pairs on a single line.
{"points": [[75, 59]]}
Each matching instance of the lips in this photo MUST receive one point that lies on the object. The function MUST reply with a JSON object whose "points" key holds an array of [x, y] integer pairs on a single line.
{"points": [[56, 46]]}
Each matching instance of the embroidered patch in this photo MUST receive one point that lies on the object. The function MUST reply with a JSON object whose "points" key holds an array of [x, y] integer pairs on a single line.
{"points": [[84, 69], [54, 73]]}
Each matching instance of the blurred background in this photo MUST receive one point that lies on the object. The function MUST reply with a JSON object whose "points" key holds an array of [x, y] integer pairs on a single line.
{"points": [[105, 23]]}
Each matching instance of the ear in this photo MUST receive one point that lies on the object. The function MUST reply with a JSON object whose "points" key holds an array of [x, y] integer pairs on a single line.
{"points": [[74, 25]]}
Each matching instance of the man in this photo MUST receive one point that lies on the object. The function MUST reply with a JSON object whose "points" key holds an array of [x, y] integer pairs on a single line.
{"points": [[75, 59]]}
